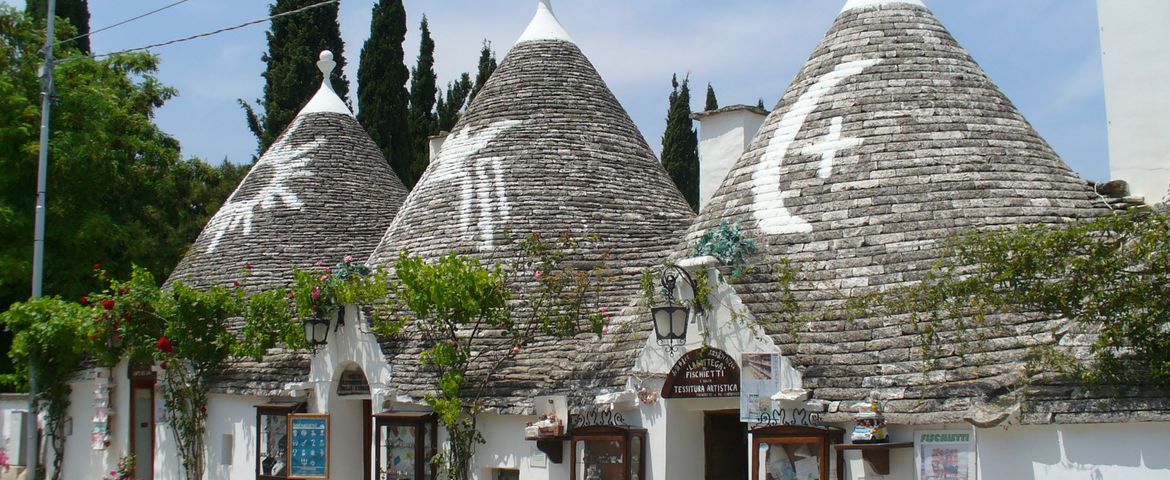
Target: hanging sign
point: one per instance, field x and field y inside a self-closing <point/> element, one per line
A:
<point x="703" y="373"/>
<point x="309" y="446"/>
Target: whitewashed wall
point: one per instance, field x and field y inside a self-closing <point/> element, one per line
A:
<point x="505" y="447"/>
<point x="1135" y="53"/>
<point x="723" y="137"/>
<point x="11" y="405"/>
<point x="231" y="422"/>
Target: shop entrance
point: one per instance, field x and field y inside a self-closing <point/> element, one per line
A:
<point x="725" y="445"/>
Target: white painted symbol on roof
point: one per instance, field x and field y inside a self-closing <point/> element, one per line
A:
<point x="283" y="162"/>
<point x="481" y="181"/>
<point x="768" y="202"/>
<point x="829" y="145"/>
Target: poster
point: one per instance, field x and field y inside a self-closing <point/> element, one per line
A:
<point x="759" y="380"/>
<point x="945" y="454"/>
<point x="309" y="446"/>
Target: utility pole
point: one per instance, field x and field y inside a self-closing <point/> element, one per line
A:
<point x="32" y="436"/>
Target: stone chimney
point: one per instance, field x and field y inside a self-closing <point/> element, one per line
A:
<point x="436" y="144"/>
<point x="724" y="134"/>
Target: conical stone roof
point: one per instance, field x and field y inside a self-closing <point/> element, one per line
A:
<point x="890" y="140"/>
<point x="544" y="148"/>
<point x="322" y="191"/>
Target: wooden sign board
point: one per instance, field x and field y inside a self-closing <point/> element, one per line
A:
<point x="308" y="446"/>
<point x="703" y="373"/>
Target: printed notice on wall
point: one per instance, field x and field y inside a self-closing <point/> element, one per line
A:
<point x="759" y="380"/>
<point x="309" y="446"/>
<point x="945" y="454"/>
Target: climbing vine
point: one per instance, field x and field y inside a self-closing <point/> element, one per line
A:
<point x="1106" y="278"/>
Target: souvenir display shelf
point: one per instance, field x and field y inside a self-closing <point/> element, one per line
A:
<point x="877" y="455"/>
<point x="608" y="453"/>
<point x="404" y="444"/>
<point x="794" y="450"/>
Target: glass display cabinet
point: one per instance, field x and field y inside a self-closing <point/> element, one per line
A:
<point x="792" y="453"/>
<point x="272" y="439"/>
<point x="608" y="453"/>
<point x="405" y="443"/>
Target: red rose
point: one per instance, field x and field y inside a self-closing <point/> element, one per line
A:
<point x="348" y="259"/>
<point x="97" y="266"/>
<point x="247" y="266"/>
<point x="292" y="294"/>
<point x="236" y="284"/>
<point x="162" y="365"/>
<point x="164" y="345"/>
<point x="85" y="301"/>
<point x="203" y="410"/>
<point x="108" y="304"/>
<point x="316" y="295"/>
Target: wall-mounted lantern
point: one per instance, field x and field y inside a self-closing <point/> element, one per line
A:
<point x="317" y="326"/>
<point x="671" y="317"/>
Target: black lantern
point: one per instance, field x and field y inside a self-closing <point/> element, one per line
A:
<point x="671" y="318"/>
<point x="316" y="329"/>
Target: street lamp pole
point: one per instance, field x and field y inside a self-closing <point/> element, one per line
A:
<point x="32" y="434"/>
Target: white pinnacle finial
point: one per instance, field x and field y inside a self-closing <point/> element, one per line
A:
<point x="326" y="64"/>
<point x="852" y="4"/>
<point x="326" y="99"/>
<point x="545" y="25"/>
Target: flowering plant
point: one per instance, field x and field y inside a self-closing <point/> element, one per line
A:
<point x="125" y="470"/>
<point x="323" y="288"/>
<point x="3" y="460"/>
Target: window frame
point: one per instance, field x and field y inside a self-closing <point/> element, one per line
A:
<point x="273" y="410"/>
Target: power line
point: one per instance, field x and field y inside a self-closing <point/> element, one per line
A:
<point x="217" y="32"/>
<point x="123" y="22"/>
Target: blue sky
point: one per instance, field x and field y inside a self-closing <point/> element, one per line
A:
<point x="1045" y="54"/>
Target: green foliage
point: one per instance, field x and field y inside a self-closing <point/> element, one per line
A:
<point x="455" y="302"/>
<point x="680" y="144"/>
<point x="291" y="75"/>
<point x="487" y="66"/>
<point x="119" y="193"/>
<point x="76" y="12"/>
<point x="712" y="102"/>
<point x="728" y="244"/>
<point x="324" y="289"/>
<point x="383" y="101"/>
<point x="450" y="110"/>
<point x="423" y="90"/>
<point x="125" y="470"/>
<point x="1110" y="276"/>
<point x="50" y="337"/>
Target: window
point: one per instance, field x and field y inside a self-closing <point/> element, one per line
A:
<point x="783" y="453"/>
<point x="505" y="474"/>
<point x="405" y="442"/>
<point x="272" y="439"/>
<point x="608" y="453"/>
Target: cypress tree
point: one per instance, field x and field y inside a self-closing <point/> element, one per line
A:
<point x="712" y="102"/>
<point x="487" y="66"/>
<point x="423" y="90"/>
<point x="291" y="76"/>
<point x="450" y="110"/>
<point x="76" y="11"/>
<point x="680" y="143"/>
<point x="383" y="102"/>
<point x="761" y="104"/>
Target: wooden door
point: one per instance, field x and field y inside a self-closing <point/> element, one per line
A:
<point x="725" y="446"/>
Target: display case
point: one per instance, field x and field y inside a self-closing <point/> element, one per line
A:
<point x="789" y="452"/>
<point x="405" y="444"/>
<point x="272" y="456"/>
<point x="608" y="453"/>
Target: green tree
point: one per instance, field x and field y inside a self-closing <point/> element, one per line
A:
<point x="118" y="191"/>
<point x="680" y="143"/>
<point x="449" y="110"/>
<point x="75" y="11"/>
<point x="423" y="91"/>
<point x="291" y="76"/>
<point x="712" y="102"/>
<point x="487" y="66"/>
<point x="383" y="101"/>
<point x="455" y="295"/>
<point x="760" y="104"/>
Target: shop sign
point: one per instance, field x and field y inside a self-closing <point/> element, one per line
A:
<point x="703" y="373"/>
<point x="309" y="446"/>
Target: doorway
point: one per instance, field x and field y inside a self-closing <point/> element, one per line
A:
<point x="725" y="446"/>
<point x="142" y="428"/>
